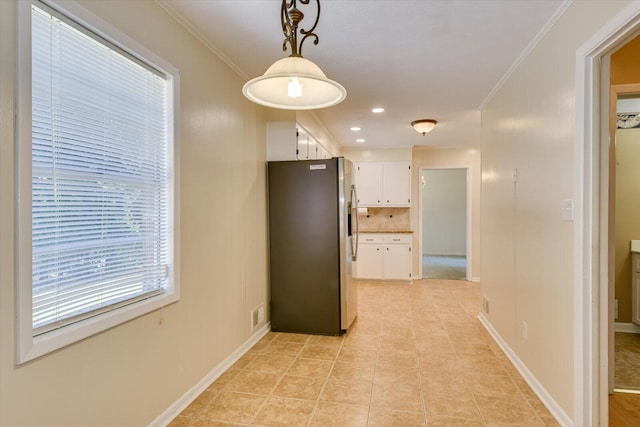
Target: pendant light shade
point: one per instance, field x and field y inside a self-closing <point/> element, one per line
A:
<point x="295" y="83"/>
<point x="424" y="126"/>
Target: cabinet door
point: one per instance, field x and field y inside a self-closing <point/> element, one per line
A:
<point x="369" y="184"/>
<point x="313" y="149"/>
<point x="397" y="262"/>
<point x="396" y="188"/>
<point x="303" y="145"/>
<point x="369" y="262"/>
<point x="322" y="152"/>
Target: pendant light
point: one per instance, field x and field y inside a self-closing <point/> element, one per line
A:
<point x="424" y="126"/>
<point x="295" y="83"/>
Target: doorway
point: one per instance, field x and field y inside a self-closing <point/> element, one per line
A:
<point x="444" y="219"/>
<point x="625" y="233"/>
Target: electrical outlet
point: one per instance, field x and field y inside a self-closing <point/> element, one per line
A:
<point x="615" y="309"/>
<point x="485" y="304"/>
<point x="525" y="331"/>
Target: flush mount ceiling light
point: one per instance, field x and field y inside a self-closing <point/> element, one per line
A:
<point x="424" y="126"/>
<point x="295" y="83"/>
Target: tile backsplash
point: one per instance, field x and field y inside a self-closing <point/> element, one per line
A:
<point x="385" y="219"/>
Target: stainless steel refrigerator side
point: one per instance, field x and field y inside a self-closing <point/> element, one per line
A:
<point x="348" y="291"/>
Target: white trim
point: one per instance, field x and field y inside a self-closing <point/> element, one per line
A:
<point x="627" y="328"/>
<point x="527" y="50"/>
<point x="533" y="382"/>
<point x="590" y="251"/>
<point x="190" y="395"/>
<point x="475" y="280"/>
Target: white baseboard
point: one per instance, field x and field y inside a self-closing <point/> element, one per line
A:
<point x="629" y="328"/>
<point x="185" y="400"/>
<point x="535" y="385"/>
<point x="475" y="280"/>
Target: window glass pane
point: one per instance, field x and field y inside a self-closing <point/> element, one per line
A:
<point x="100" y="175"/>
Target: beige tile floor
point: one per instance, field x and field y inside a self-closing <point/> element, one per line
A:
<point x="416" y="356"/>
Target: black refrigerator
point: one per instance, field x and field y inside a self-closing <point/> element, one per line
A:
<point x="313" y="242"/>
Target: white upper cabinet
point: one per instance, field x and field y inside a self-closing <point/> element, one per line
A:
<point x="369" y="184"/>
<point x="384" y="184"/>
<point x="289" y="141"/>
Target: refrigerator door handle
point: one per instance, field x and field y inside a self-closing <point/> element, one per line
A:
<point x="354" y="206"/>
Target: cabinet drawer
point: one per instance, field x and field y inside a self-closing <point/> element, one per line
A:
<point x="397" y="238"/>
<point x="370" y="239"/>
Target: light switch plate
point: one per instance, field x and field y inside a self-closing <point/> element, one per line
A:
<point x="567" y="210"/>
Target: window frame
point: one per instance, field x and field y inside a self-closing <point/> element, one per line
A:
<point x="29" y="346"/>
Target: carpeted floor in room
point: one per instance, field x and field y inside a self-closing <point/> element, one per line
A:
<point x="444" y="267"/>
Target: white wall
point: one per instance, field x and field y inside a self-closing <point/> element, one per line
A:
<point x="444" y="211"/>
<point x="130" y="374"/>
<point x="527" y="251"/>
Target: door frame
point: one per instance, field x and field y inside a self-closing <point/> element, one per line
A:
<point x="469" y="230"/>
<point x="591" y="232"/>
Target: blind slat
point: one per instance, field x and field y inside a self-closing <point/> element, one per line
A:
<point x="100" y="176"/>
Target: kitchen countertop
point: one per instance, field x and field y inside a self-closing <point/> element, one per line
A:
<point x="386" y="231"/>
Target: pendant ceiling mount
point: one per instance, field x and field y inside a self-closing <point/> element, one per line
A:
<point x="295" y="83"/>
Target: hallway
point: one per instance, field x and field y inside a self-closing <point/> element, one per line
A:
<point x="416" y="356"/>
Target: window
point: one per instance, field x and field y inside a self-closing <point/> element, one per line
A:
<point x="97" y="184"/>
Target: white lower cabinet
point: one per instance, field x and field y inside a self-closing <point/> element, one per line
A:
<point x="384" y="256"/>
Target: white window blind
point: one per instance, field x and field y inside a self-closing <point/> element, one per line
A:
<point x="100" y="175"/>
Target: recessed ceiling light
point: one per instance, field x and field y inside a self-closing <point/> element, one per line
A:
<point x="378" y="110"/>
<point x="355" y="128"/>
<point x="360" y="140"/>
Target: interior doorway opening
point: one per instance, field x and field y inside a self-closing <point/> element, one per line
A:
<point x="444" y="223"/>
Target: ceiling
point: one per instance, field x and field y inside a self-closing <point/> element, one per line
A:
<point x="419" y="59"/>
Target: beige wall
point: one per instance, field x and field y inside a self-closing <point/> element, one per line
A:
<point x="627" y="214"/>
<point x="358" y="155"/>
<point x="444" y="211"/>
<point x="442" y="158"/>
<point x="625" y="66"/>
<point x="130" y="374"/>
<point x="527" y="262"/>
